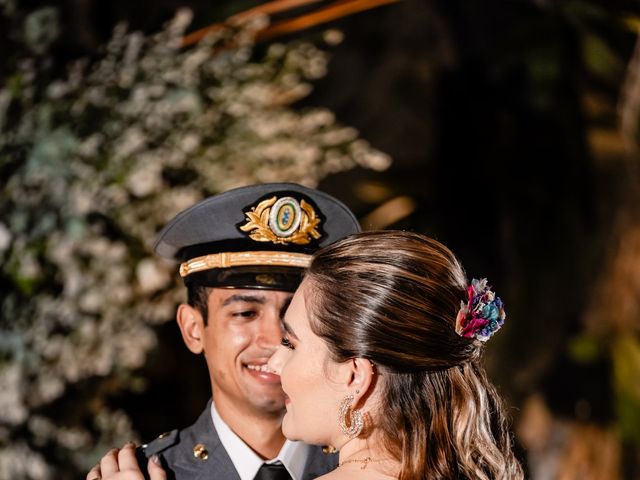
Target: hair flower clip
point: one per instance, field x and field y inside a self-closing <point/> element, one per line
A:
<point x="482" y="315"/>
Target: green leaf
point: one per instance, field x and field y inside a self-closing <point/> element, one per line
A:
<point x="626" y="367"/>
<point x="584" y="349"/>
<point x="599" y="58"/>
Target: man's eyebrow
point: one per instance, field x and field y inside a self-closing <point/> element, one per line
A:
<point x="288" y="329"/>
<point x="244" y="298"/>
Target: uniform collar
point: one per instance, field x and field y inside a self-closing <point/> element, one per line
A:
<point x="293" y="455"/>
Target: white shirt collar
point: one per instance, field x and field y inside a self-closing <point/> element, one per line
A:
<point x="293" y="455"/>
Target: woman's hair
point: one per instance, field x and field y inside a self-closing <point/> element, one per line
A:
<point x="393" y="297"/>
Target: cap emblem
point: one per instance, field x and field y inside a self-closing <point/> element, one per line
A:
<point x="282" y="221"/>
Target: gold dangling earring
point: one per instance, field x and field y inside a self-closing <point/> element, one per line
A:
<point x="356" y="422"/>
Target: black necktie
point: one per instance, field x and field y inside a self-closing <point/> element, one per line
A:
<point x="272" y="471"/>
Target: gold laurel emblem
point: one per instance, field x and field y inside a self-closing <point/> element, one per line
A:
<point x="263" y="226"/>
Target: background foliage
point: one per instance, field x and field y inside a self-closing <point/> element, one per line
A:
<point x="93" y="164"/>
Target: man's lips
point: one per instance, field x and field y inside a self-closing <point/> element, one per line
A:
<point x="261" y="372"/>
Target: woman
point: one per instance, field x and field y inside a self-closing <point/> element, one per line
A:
<point x="381" y="361"/>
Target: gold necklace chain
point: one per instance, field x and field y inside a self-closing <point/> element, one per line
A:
<point x="365" y="461"/>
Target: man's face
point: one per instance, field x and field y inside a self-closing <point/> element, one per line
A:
<point x="243" y="331"/>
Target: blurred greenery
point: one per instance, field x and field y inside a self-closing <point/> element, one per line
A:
<point x="626" y="362"/>
<point x="94" y="162"/>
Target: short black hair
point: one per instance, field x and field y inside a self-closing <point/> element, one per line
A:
<point x="198" y="298"/>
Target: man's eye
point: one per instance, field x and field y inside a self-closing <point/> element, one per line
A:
<point x="285" y="342"/>
<point x="245" y="314"/>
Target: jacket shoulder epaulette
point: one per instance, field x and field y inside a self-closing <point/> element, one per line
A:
<point x="164" y="441"/>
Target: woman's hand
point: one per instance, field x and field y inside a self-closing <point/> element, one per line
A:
<point x="121" y="464"/>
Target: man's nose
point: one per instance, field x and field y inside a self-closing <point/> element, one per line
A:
<point x="270" y="331"/>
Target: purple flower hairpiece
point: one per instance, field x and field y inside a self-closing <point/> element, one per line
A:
<point x="482" y="315"/>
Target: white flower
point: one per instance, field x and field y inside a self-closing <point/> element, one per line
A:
<point x="5" y="237"/>
<point x="13" y="410"/>
<point x="150" y="276"/>
<point x="133" y="140"/>
<point x="190" y="142"/>
<point x="376" y="160"/>
<point x="19" y="461"/>
<point x="47" y="389"/>
<point x="145" y="179"/>
<point x="333" y="36"/>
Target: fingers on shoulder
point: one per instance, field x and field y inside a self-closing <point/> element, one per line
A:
<point x="94" y="473"/>
<point x="127" y="458"/>
<point x="117" y="464"/>
<point x="156" y="472"/>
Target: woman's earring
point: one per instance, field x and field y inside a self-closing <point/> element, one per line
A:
<point x="353" y="427"/>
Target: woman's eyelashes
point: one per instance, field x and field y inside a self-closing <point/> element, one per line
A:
<point x="285" y="342"/>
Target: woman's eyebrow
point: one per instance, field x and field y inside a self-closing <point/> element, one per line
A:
<point x="289" y="330"/>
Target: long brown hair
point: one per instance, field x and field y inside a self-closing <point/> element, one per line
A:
<point x="392" y="297"/>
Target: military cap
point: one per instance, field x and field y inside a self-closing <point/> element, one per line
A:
<point x="258" y="236"/>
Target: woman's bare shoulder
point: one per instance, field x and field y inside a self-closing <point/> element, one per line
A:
<point x="355" y="475"/>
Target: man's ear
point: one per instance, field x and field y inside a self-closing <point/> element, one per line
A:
<point x="191" y="326"/>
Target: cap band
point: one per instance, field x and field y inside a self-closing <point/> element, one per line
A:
<point x="253" y="277"/>
<point x="241" y="259"/>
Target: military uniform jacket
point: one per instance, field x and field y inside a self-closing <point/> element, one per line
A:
<point x="196" y="453"/>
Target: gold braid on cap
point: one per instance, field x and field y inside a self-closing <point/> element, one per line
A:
<point x="243" y="259"/>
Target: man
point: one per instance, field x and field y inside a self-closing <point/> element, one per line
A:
<point x="242" y="256"/>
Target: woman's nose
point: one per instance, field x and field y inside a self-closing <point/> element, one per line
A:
<point x="275" y="361"/>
